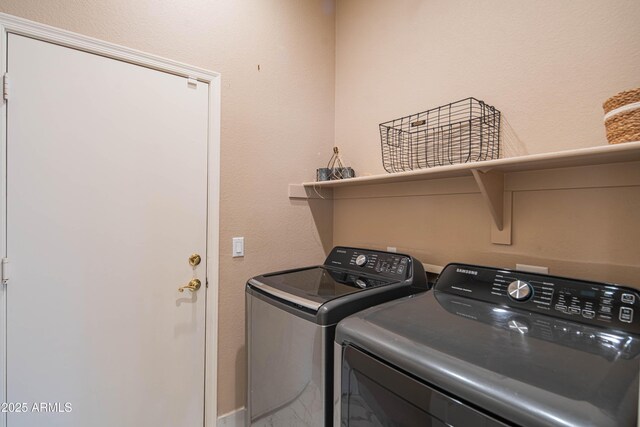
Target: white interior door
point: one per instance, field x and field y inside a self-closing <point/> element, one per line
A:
<point x="106" y="200"/>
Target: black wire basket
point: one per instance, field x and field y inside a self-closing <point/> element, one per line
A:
<point x="464" y="131"/>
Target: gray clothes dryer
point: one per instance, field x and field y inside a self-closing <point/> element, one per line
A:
<point x="492" y="347"/>
<point x="291" y="318"/>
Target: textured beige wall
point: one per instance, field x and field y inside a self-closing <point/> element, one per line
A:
<point x="277" y="123"/>
<point x="580" y="222"/>
<point x="547" y="65"/>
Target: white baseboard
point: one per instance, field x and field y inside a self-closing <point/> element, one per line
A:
<point x="232" y="419"/>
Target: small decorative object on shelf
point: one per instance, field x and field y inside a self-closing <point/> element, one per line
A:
<point x="622" y="117"/>
<point x="464" y="131"/>
<point x="335" y="169"/>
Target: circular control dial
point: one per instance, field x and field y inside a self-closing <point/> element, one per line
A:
<point x="519" y="290"/>
<point x="361" y="260"/>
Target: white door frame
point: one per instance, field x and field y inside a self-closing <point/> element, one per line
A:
<point x="10" y="24"/>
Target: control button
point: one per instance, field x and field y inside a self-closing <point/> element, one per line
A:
<point x="361" y="260"/>
<point x="561" y="307"/>
<point x="589" y="314"/>
<point x="605" y="309"/>
<point x="626" y="314"/>
<point x="519" y="290"/>
<point x="401" y="269"/>
<point x="628" y="298"/>
<point x="574" y="310"/>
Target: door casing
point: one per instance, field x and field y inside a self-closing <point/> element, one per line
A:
<point x="13" y="25"/>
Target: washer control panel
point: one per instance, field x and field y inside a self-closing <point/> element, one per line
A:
<point x="594" y="303"/>
<point x="387" y="264"/>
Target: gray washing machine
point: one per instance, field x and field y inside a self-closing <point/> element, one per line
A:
<point x="492" y="347"/>
<point x="291" y="319"/>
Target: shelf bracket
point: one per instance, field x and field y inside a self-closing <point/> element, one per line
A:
<point x="491" y="185"/>
<point x="299" y="191"/>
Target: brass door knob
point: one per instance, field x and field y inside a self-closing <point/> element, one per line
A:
<point x="193" y="285"/>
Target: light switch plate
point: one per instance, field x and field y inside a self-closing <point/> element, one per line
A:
<point x="238" y="247"/>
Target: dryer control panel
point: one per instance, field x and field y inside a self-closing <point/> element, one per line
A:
<point x="364" y="261"/>
<point x="603" y="304"/>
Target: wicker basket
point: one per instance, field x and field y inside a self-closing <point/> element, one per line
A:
<point x="622" y="117"/>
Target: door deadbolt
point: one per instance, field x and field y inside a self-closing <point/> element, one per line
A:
<point x="194" y="260"/>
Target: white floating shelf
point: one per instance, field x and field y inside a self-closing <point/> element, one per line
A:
<point x="626" y="152"/>
<point x="489" y="176"/>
